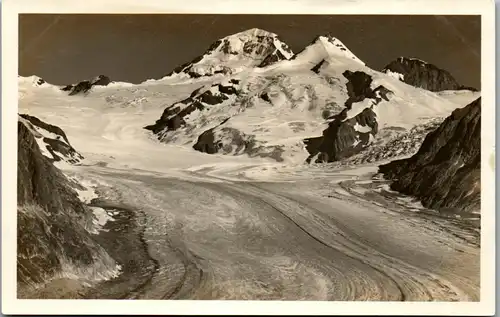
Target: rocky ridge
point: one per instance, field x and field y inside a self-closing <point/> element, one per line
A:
<point x="424" y="75"/>
<point x="52" y="140"/>
<point x="445" y="172"/>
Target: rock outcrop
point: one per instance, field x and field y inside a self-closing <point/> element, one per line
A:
<point x="274" y="57"/>
<point x="51" y="140"/>
<point x="228" y="140"/>
<point x="200" y="99"/>
<point x="353" y="128"/>
<point x="424" y="75"/>
<point x="445" y="172"/>
<point x="86" y="85"/>
<point x="53" y="224"/>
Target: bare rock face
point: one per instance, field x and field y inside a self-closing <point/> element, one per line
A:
<point x="207" y="143"/>
<point x="423" y="75"/>
<point x="228" y="140"/>
<point x="53" y="236"/>
<point x="52" y="140"/>
<point x="445" y="172"/>
<point x="317" y="68"/>
<point x="85" y="86"/>
<point x="349" y="132"/>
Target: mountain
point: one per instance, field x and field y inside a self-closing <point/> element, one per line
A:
<point x="185" y="169"/>
<point x="445" y="172"/>
<point x="321" y="105"/>
<point x="421" y="74"/>
<point x="82" y="87"/>
<point x="251" y="48"/>
<point x="323" y="47"/>
<point x="54" y="226"/>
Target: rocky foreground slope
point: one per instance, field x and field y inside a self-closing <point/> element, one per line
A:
<point x="54" y="239"/>
<point x="445" y="172"/>
<point x="52" y="141"/>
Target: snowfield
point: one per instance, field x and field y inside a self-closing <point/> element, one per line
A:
<point x="234" y="226"/>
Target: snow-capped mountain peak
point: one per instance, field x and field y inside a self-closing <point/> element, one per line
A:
<point x="251" y="48"/>
<point x="325" y="47"/>
<point x="254" y="42"/>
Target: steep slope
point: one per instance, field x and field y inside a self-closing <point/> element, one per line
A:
<point x="233" y="53"/>
<point x="445" y="172"/>
<point x="322" y="105"/>
<point x="323" y="47"/>
<point x="54" y="240"/>
<point x="51" y="140"/>
<point x="424" y="75"/>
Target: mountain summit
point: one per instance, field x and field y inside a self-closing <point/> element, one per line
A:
<point x="418" y="73"/>
<point x="325" y="47"/>
<point x="251" y="48"/>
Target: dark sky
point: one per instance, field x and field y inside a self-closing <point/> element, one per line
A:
<point x="72" y="47"/>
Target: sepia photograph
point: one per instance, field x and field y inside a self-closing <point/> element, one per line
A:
<point x="250" y="157"/>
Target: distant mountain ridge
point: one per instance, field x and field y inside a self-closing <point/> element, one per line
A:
<point x="82" y="87"/>
<point x="256" y="97"/>
<point x="424" y="75"/>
